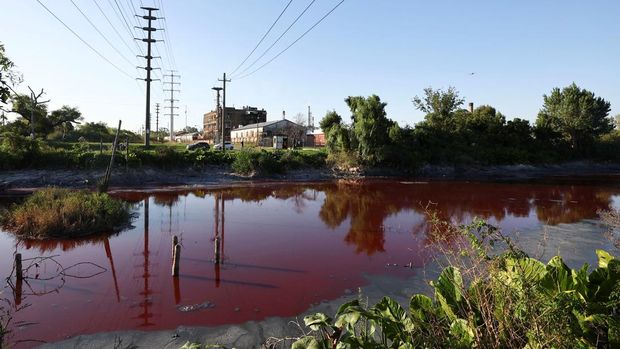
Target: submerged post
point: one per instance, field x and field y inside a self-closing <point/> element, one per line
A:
<point x="175" y="242"/>
<point x="217" y="250"/>
<point x="175" y="261"/>
<point x="18" y="266"/>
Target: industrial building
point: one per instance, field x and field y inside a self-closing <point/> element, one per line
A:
<point x="262" y="133"/>
<point x="235" y="118"/>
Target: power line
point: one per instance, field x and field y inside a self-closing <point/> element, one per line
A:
<point x="100" y="33"/>
<point x="278" y="39"/>
<point x="294" y="42"/>
<point x="167" y="41"/>
<point x="121" y="15"/>
<point x="263" y="38"/>
<point x="113" y="27"/>
<point x="83" y="41"/>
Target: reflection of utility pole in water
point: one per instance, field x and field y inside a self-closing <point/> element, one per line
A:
<point x="108" y="252"/>
<point x="146" y="293"/>
<point x="219" y="239"/>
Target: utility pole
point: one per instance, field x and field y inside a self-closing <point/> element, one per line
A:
<point x="172" y="90"/>
<point x="149" y="40"/>
<point x="224" y="81"/>
<point x="186" y="117"/>
<point x="218" y="114"/>
<point x="157" y="120"/>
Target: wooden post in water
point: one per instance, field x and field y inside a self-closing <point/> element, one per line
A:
<point x="175" y="242"/>
<point x="217" y="250"/>
<point x="18" y="267"/>
<point x="100" y="146"/>
<point x="106" y="179"/>
<point x="176" y="260"/>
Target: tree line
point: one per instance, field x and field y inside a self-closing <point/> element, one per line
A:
<point x="573" y="124"/>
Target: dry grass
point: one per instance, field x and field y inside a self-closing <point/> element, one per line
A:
<point x="62" y="213"/>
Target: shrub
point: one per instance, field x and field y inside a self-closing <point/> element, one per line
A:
<point x="505" y="300"/>
<point x="252" y="162"/>
<point x="62" y="213"/>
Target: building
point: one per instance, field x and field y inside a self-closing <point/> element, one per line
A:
<point x="235" y="118"/>
<point x="315" y="138"/>
<point x="186" y="137"/>
<point x="262" y="133"/>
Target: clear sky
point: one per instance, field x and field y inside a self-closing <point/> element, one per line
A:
<point x="517" y="50"/>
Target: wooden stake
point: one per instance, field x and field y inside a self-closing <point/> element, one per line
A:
<point x="106" y="179"/>
<point x="175" y="242"/>
<point x="18" y="267"/>
<point x="175" y="261"/>
<point x="217" y="250"/>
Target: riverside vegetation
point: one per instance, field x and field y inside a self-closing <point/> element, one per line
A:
<point x="572" y="124"/>
<point x="63" y="213"/>
<point x="486" y="300"/>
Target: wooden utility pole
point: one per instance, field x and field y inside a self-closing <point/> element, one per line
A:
<point x="106" y="179"/>
<point x="224" y="81"/>
<point x="218" y="114"/>
<point x="149" y="40"/>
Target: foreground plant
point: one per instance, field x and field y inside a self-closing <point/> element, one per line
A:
<point x="507" y="300"/>
<point x="62" y="213"/>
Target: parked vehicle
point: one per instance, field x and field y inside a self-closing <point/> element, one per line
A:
<point x="198" y="145"/>
<point x="227" y="145"/>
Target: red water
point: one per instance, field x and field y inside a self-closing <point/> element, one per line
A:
<point x="285" y="247"/>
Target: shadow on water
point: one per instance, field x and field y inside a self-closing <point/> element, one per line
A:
<point x="280" y="247"/>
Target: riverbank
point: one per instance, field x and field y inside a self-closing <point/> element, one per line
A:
<point x="144" y="178"/>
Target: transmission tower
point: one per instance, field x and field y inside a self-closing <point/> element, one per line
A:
<point x="171" y="84"/>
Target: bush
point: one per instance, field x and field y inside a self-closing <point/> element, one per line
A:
<point x="62" y="213"/>
<point x="506" y="300"/>
<point x="252" y="162"/>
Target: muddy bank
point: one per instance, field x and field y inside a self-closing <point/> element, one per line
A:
<point x="153" y="177"/>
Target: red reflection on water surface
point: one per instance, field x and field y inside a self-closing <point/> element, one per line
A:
<point x="284" y="248"/>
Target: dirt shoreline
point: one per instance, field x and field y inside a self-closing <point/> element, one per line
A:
<point x="14" y="182"/>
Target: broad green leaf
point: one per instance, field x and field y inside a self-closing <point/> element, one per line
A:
<point x="343" y="308"/>
<point x="307" y="343"/>
<point x="462" y="333"/>
<point x="558" y="278"/>
<point x="316" y="321"/>
<point x="420" y="306"/>
<point x="603" y="258"/>
<point x="449" y="291"/>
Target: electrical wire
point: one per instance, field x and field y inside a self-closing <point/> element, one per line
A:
<point x="121" y="15"/>
<point x="83" y="41"/>
<point x="293" y="43"/>
<point x="100" y="33"/>
<point x="263" y="38"/>
<point x="278" y="39"/>
<point x="167" y="43"/>
<point x="114" y="27"/>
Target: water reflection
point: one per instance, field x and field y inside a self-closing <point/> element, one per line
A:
<point x="269" y="250"/>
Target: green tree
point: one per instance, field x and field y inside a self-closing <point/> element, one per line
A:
<point x="94" y="132"/>
<point x="65" y="118"/>
<point x="329" y="120"/>
<point x="439" y="106"/>
<point x="370" y="127"/>
<point x="8" y="77"/>
<point x="576" y="114"/>
<point x="27" y="109"/>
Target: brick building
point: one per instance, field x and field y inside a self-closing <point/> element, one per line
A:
<point x="235" y="118"/>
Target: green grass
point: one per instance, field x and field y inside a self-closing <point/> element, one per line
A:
<point x="63" y="213"/>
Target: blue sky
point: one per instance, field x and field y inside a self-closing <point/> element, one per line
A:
<point x="518" y="50"/>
